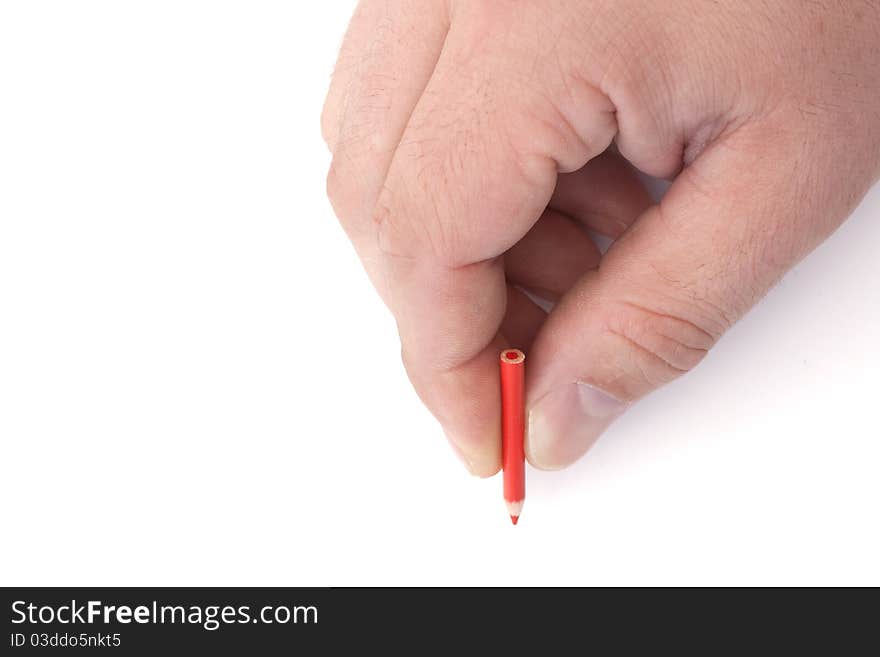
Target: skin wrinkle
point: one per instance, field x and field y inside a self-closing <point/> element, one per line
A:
<point x="708" y="339"/>
<point x="548" y="36"/>
<point x="643" y="136"/>
<point x="695" y="300"/>
<point x="714" y="323"/>
<point x="639" y="347"/>
<point x="560" y="125"/>
<point x="642" y="329"/>
<point x="662" y="372"/>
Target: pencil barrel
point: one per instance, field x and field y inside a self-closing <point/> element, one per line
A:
<point x="513" y="423"/>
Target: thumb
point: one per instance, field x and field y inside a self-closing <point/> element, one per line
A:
<point x="731" y="224"/>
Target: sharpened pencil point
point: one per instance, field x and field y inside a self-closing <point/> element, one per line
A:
<point x="512" y="364"/>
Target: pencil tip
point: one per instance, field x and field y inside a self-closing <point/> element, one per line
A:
<point x="514" y="509"/>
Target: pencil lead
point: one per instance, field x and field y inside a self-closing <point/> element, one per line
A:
<point x="514" y="519"/>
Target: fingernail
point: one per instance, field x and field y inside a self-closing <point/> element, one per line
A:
<point x="460" y="454"/>
<point x="565" y="422"/>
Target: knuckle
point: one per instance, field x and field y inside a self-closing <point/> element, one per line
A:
<point x="661" y="346"/>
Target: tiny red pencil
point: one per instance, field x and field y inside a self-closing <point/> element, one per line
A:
<point x="513" y="430"/>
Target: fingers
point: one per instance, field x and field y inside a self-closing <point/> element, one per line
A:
<point x="386" y="61"/>
<point x="472" y="174"/>
<point x="728" y="228"/>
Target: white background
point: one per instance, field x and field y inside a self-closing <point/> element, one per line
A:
<point x="199" y="386"/>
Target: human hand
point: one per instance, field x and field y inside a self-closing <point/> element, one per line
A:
<point x="470" y="146"/>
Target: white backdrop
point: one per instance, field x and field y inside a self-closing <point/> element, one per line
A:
<point x="199" y="386"/>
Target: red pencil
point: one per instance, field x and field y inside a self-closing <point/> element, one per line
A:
<point x="513" y="430"/>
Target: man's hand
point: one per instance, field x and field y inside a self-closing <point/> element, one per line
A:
<point x="472" y="144"/>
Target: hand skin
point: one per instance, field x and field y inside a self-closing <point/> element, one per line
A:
<point x="473" y="140"/>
